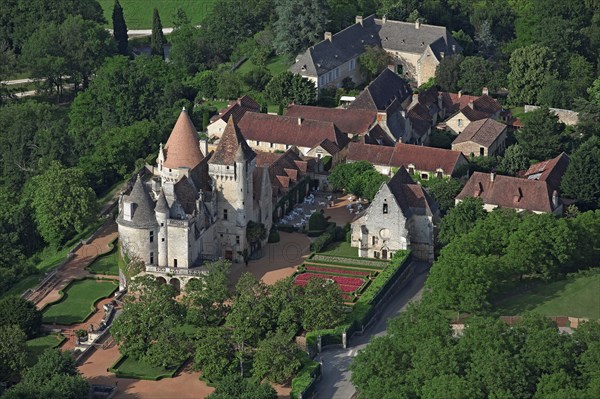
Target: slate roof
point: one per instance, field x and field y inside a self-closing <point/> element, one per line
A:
<point x="420" y="118"/>
<point x="349" y="43"/>
<point x="143" y="208"/>
<point x="483" y="132"/>
<point x="237" y="109"/>
<point x="290" y="130"/>
<point x="183" y="147"/>
<point x="378" y="136"/>
<point x="161" y="204"/>
<point x="284" y="169"/>
<point x="423" y="158"/>
<point x="351" y="122"/>
<point x="509" y="192"/>
<point x="550" y="171"/>
<point x="410" y="196"/>
<point x="232" y="147"/>
<point x="381" y="93"/>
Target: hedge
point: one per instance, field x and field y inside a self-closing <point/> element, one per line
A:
<point x="305" y="379"/>
<point x="288" y="228"/>
<point x="137" y="372"/>
<point x="274" y="236"/>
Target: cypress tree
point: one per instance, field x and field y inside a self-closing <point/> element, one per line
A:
<point x="119" y="28"/>
<point x="157" y="41"/>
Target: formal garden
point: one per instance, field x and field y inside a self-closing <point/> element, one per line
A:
<point x="78" y="300"/>
<point x="108" y="263"/>
<point x="37" y="346"/>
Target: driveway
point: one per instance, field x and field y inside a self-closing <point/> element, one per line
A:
<point x="335" y="380"/>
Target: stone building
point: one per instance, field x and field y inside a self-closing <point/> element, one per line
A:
<point x="483" y="138"/>
<point x="235" y="110"/>
<point x="192" y="206"/>
<point x="463" y="109"/>
<point x="416" y="50"/>
<point x="401" y="216"/>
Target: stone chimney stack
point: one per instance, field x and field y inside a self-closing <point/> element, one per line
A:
<point x="442" y="54"/>
<point x="417" y="24"/>
<point x="471" y="105"/>
<point x="299" y="121"/>
<point x="492" y="176"/>
<point x="485" y="91"/>
<point x="459" y="93"/>
<point x="328" y="36"/>
<point x="384" y="19"/>
<point x="359" y="19"/>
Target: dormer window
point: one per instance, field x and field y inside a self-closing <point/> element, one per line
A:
<point x="385" y="208"/>
<point x="128" y="211"/>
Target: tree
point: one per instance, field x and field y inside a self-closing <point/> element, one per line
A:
<point x="22" y="313"/>
<point x="341" y="175"/>
<point x="235" y="386"/>
<point x="119" y="28"/>
<point x="594" y="92"/>
<point x="157" y="40"/>
<point x="367" y="184"/>
<point x="461" y="219"/>
<point x="258" y="79"/>
<point x="514" y="160"/>
<point x="205" y="297"/>
<point x="531" y="68"/>
<point x="149" y="320"/>
<point x="206" y="84"/>
<point x="228" y="86"/>
<point x="285" y="302"/>
<point x="475" y="74"/>
<point x="215" y="353"/>
<point x="13" y="352"/>
<point x="322" y="304"/>
<point x="54" y="375"/>
<point x="287" y="88"/>
<point x="63" y="203"/>
<point x="582" y="178"/>
<point x="299" y="25"/>
<point x="444" y="191"/>
<point x="277" y="359"/>
<point x="447" y="73"/>
<point x="372" y="61"/>
<point x="541" y="137"/>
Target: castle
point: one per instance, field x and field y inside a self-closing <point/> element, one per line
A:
<point x="192" y="207"/>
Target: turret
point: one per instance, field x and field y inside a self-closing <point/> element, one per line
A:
<point x="162" y="215"/>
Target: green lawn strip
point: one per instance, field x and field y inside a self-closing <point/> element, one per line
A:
<point x="309" y="372"/>
<point x="138" y="13"/>
<point x="276" y="65"/>
<point x="36" y="346"/>
<point x="77" y="301"/>
<point x="108" y="263"/>
<point x="340" y="248"/>
<point x="330" y="261"/>
<point x="128" y="367"/>
<point x="23" y="285"/>
<point x="341" y="266"/>
<point x="332" y="272"/>
<point x="575" y="297"/>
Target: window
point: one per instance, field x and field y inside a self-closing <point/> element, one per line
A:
<point x="174" y="262"/>
<point x="162" y="239"/>
<point x="385" y="208"/>
<point x="151" y="237"/>
<point x="257" y="142"/>
<point x="425" y="176"/>
<point x="237" y="240"/>
<point x="271" y="145"/>
<point x="221" y="235"/>
<point x="162" y="225"/>
<point x="224" y="214"/>
<point x="481" y="151"/>
<point x="151" y="258"/>
<point x="411" y="170"/>
<point x="438" y="174"/>
<point x="460" y="123"/>
<point x="373" y="240"/>
<point x="376" y="255"/>
<point x="227" y="167"/>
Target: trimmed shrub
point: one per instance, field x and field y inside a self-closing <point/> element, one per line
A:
<point x="273" y="235"/>
<point x="321" y="242"/>
<point x="317" y="221"/>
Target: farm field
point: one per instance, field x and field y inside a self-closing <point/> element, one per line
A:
<point x="138" y="13"/>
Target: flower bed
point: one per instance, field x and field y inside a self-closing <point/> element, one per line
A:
<point x="347" y="285"/>
<point x="379" y="264"/>
<point x="336" y="270"/>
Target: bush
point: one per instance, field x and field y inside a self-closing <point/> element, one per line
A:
<point x="310" y="371"/>
<point x="321" y="242"/>
<point x="288" y="228"/>
<point x="274" y="235"/>
<point x="317" y="221"/>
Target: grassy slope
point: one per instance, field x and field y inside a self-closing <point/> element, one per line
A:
<point x="342" y="248"/>
<point x="131" y="368"/>
<point x="36" y="346"/>
<point x="107" y="263"/>
<point x="578" y="297"/>
<point x="77" y="301"/>
<point x="138" y="13"/>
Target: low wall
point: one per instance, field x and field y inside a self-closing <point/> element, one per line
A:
<point x="566" y="116"/>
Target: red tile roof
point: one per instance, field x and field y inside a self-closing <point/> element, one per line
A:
<point x="237" y="109"/>
<point x="410" y="196"/>
<point x="350" y="122"/>
<point x="284" y="169"/>
<point x="550" y="171"/>
<point x="483" y="132"/>
<point x="290" y="130"/>
<point x="232" y="147"/>
<point x="423" y="158"/>
<point x="473" y="107"/>
<point x="509" y="192"/>
<point x="183" y="147"/>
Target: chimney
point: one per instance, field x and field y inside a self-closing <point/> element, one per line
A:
<point x="328" y="36"/>
<point x="492" y="176"/>
<point x="415" y="98"/>
<point x="205" y="147"/>
<point x="359" y="19"/>
<point x="299" y="121"/>
<point x="459" y="93"/>
<point x="442" y="54"/>
<point x="471" y="105"/>
<point x="555" y="199"/>
<point x="485" y="91"/>
<point x="384" y="19"/>
<point x="417" y="24"/>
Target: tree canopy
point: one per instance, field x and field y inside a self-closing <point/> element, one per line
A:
<point x="299" y="25"/>
<point x="582" y="178"/>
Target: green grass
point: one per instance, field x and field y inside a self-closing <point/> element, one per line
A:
<point x="276" y="65"/>
<point x="577" y="297"/>
<point x="107" y="263"/>
<point x="341" y="248"/>
<point x="517" y="111"/>
<point x="310" y="370"/>
<point x="138" y="13"/>
<point x="128" y="367"/>
<point x="78" y="300"/>
<point x="36" y="346"/>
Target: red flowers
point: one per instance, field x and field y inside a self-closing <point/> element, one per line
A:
<point x="346" y="284"/>
<point x="337" y="271"/>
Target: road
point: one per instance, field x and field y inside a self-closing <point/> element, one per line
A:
<point x="335" y="380"/>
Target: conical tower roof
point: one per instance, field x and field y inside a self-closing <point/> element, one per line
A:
<point x="143" y="211"/>
<point x="232" y="147"/>
<point x="183" y="147"/>
<point x="161" y="204"/>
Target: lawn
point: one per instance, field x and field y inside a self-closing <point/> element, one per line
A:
<point x="107" y="263"/>
<point x="341" y="248"/>
<point x="276" y="66"/>
<point x="128" y="367"/>
<point x="138" y="13"/>
<point x="578" y="297"/>
<point x="36" y="346"/>
<point x="78" y="301"/>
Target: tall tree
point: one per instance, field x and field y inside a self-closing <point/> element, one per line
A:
<point x="531" y="68"/>
<point x="299" y="25"/>
<point x="63" y="203"/>
<point x="514" y="160"/>
<point x="277" y="359"/>
<point x="461" y="219"/>
<point x="447" y="73"/>
<point x="373" y="61"/>
<point x="13" y="352"/>
<point x="322" y="304"/>
<point x="215" y="353"/>
<point x="157" y="40"/>
<point x="287" y="88"/>
<point x="477" y="73"/>
<point x="582" y="178"/>
<point x="119" y="28"/>
<point x="22" y="313"/>
<point x="542" y="136"/>
<point x="235" y="386"/>
<point x="205" y="297"/>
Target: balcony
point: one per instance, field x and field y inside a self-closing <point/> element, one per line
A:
<point x="177" y="271"/>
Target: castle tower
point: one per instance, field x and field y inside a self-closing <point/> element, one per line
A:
<point x="162" y="215"/>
